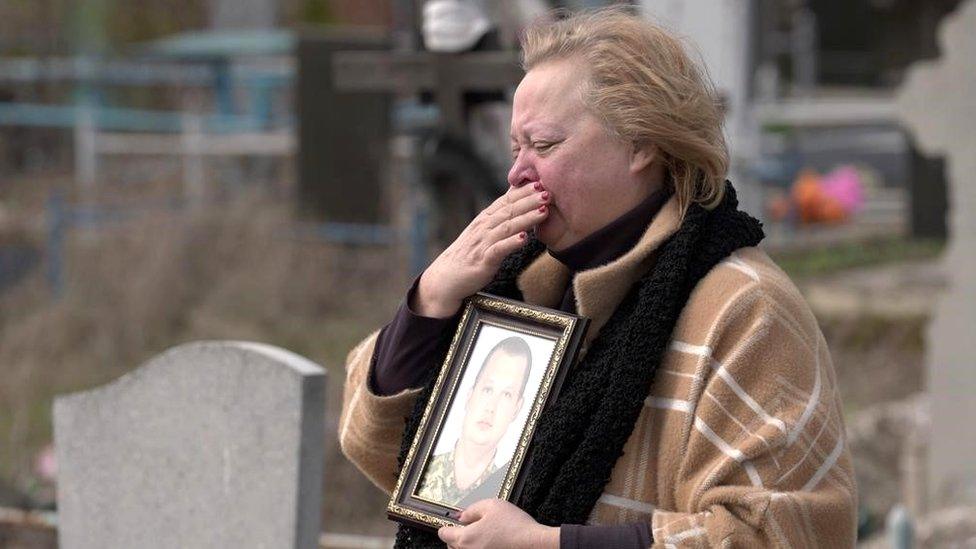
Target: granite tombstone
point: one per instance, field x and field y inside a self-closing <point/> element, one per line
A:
<point x="210" y="444"/>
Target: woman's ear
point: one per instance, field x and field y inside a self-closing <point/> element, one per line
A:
<point x="642" y="155"/>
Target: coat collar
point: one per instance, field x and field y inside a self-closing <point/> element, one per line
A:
<point x="599" y="290"/>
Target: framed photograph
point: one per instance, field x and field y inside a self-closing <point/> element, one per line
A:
<point x="505" y="365"/>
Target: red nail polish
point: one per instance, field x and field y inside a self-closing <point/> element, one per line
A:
<point x="542" y="208"/>
<point x="537" y="186"/>
<point x="522" y="235"/>
<point x="545" y="195"/>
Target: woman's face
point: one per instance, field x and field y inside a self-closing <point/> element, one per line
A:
<point x="592" y="177"/>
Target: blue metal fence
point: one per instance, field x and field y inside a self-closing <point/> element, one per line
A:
<point x="124" y="119"/>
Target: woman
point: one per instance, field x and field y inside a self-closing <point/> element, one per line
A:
<point x="702" y="410"/>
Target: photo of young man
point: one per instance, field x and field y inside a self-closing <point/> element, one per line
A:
<point x="468" y="472"/>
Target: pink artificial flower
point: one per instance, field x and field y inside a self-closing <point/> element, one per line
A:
<point x="46" y="464"/>
<point x="844" y="185"/>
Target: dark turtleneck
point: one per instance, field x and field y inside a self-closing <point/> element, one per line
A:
<point x="608" y="243"/>
<point x="614" y="239"/>
<point x="405" y="347"/>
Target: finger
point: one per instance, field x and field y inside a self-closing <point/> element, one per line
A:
<point x="501" y="212"/>
<point x="449" y="534"/>
<point x="522" y="223"/>
<point x="501" y="249"/>
<point x="476" y="511"/>
<point x="521" y="194"/>
<point x="522" y="206"/>
<point x="516" y="193"/>
<point x="513" y="195"/>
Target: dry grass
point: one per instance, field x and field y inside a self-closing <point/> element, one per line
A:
<point x="877" y="359"/>
<point x="137" y="288"/>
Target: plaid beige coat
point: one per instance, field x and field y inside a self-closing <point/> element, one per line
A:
<point x="741" y="439"/>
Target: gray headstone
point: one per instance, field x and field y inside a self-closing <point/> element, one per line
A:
<point x="211" y="444"/>
<point x="938" y="104"/>
<point x="343" y="137"/>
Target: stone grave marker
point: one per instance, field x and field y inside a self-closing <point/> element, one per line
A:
<point x="343" y="136"/>
<point x="938" y="104"/>
<point x="210" y="444"/>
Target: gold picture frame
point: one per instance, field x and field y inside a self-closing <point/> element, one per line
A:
<point x="482" y="409"/>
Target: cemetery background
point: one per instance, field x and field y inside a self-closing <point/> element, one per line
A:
<point x="239" y="254"/>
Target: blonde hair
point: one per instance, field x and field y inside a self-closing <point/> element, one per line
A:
<point x="646" y="90"/>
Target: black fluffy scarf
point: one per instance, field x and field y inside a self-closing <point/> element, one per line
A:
<point x="579" y="439"/>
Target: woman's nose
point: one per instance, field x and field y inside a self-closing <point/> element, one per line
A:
<point x="521" y="172"/>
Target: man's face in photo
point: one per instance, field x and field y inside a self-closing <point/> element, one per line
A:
<point x="495" y="398"/>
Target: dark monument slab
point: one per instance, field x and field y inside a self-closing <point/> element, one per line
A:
<point x="343" y="135"/>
